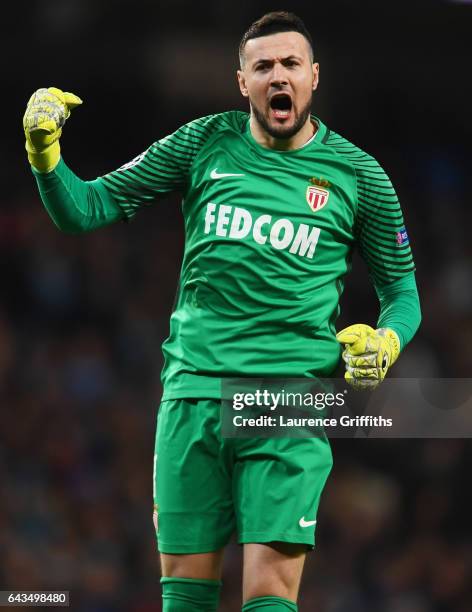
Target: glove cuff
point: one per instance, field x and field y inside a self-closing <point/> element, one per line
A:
<point x="393" y="340"/>
<point x="46" y="160"/>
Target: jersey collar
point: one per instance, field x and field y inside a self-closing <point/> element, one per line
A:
<point x="316" y="138"/>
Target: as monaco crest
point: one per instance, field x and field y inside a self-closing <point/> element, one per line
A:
<point x="317" y="197"/>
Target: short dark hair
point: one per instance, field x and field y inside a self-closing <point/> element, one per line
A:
<point x="273" y="23"/>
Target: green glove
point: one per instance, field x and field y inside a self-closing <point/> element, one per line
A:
<point x="46" y="113"/>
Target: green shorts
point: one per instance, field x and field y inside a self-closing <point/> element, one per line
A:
<point x="206" y="487"/>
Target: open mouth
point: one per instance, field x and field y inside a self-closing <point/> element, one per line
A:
<point x="281" y="105"/>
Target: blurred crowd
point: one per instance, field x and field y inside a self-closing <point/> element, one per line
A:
<point x="82" y="319"/>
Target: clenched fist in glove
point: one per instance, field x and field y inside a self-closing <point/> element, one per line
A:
<point x="46" y="113"/>
<point x="368" y="354"/>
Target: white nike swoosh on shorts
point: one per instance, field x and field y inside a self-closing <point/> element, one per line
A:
<point x="304" y="523"/>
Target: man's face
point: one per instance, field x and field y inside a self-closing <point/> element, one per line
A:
<point x="279" y="78"/>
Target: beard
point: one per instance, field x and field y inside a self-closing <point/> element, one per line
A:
<point x="281" y="131"/>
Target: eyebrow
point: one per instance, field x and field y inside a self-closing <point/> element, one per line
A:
<point x="264" y="60"/>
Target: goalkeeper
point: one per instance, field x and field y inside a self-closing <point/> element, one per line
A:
<point x="274" y="203"/>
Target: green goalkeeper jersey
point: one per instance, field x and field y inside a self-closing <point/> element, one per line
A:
<point x="268" y="240"/>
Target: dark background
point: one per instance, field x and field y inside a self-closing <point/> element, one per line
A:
<point x="82" y="317"/>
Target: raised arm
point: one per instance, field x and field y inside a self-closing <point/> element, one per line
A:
<point x="76" y="205"/>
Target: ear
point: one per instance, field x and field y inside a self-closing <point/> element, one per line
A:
<point x="316" y="75"/>
<point x="242" y="83"/>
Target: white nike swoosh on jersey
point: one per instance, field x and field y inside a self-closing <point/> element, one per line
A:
<point x="304" y="523"/>
<point x="214" y="174"/>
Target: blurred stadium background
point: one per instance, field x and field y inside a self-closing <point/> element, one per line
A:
<point x="82" y="318"/>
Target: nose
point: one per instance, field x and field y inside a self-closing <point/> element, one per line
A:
<point x="278" y="76"/>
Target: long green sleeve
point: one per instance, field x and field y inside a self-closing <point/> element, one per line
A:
<point x="75" y="205"/>
<point x="400" y="307"/>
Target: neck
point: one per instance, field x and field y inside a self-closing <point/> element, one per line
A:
<point x="282" y="144"/>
